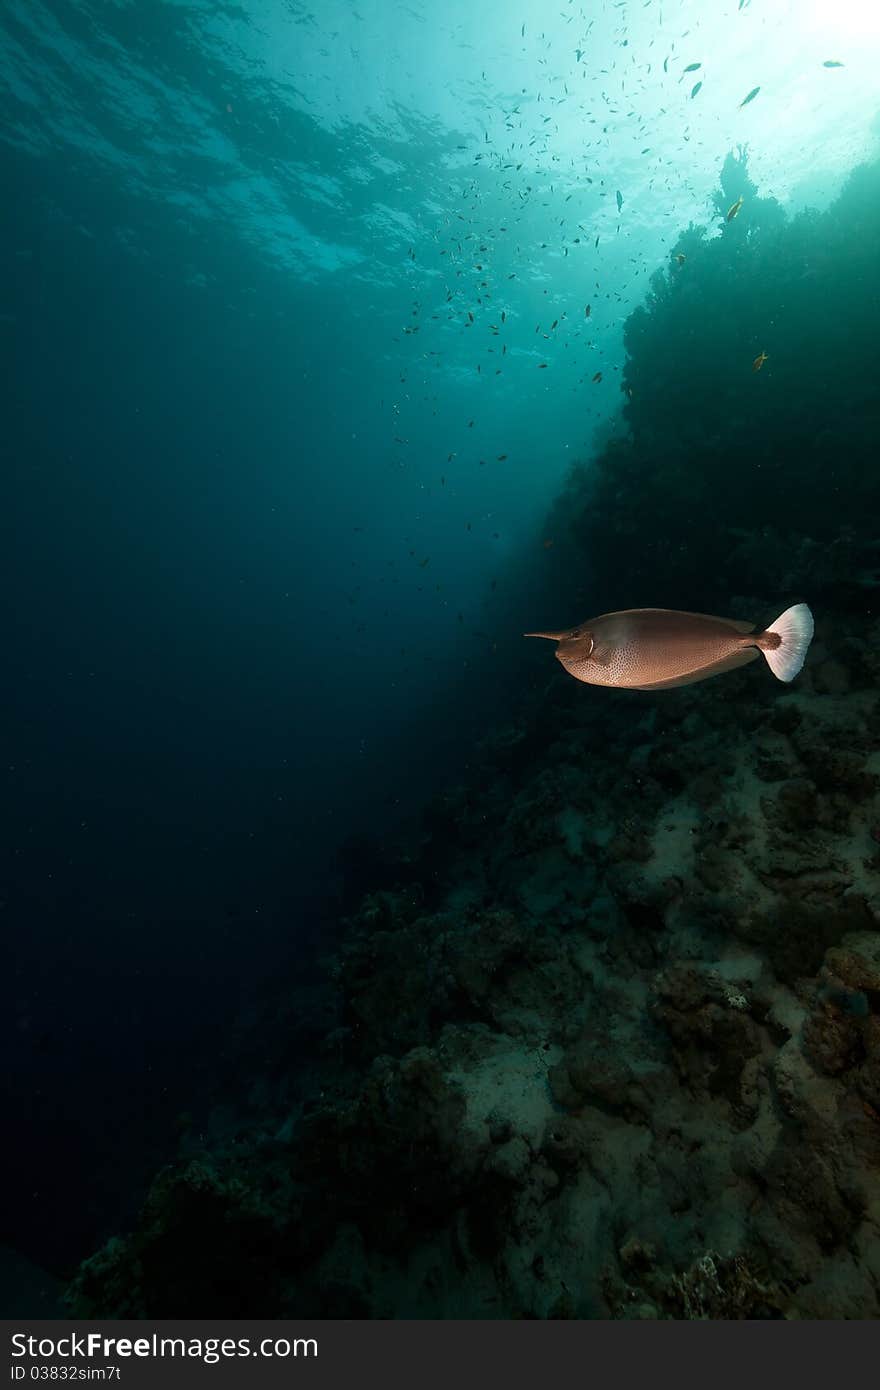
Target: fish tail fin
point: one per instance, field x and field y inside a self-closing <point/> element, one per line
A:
<point x="785" y="642"/>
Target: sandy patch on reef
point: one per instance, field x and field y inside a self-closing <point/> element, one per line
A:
<point x="508" y="1083"/>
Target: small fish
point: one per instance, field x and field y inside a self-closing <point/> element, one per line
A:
<point x="680" y="258"/>
<point x="692" y="67"/>
<point x="588" y="311"/>
<point x="751" y="97"/>
<point x="597" y="377"/>
<point x="500" y="458"/>
<point x="759" y="361"/>
<point x="830" y="63"/>
<point x="696" y="87"/>
<point x="659" y="648"/>
<point x="734" y="208"/>
<point x="541" y="366"/>
<point x="619" y="200"/>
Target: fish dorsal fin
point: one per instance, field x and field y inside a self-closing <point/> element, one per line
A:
<point x="733" y="623"/>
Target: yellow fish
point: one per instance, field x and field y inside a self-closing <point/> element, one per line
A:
<point x="734" y="208"/>
<point x="759" y="361"/>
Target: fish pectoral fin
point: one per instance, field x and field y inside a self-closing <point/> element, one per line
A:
<point x="602" y="653"/>
<point x="716" y="668"/>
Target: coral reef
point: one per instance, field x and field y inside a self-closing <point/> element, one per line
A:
<point x="624" y="1062"/>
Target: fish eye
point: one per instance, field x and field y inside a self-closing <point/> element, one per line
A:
<point x="575" y="632"/>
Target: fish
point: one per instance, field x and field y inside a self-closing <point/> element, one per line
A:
<point x="734" y="208"/>
<point x="587" y="311"/>
<point x="597" y="377"/>
<point x="831" y="63"/>
<point x="619" y="200"/>
<point x="660" y="648"/>
<point x="751" y="97"/>
<point x="692" y="67"/>
<point x="696" y="87"/>
<point x="759" y="361"/>
<point x="681" y="258"/>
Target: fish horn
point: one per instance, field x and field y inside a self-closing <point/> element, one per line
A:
<point x="554" y="636"/>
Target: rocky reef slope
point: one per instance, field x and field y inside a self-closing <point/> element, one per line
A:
<point x="615" y="1053"/>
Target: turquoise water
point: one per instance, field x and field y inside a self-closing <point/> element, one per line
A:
<point x="343" y="344"/>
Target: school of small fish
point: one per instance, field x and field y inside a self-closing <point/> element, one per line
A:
<point x="479" y="261"/>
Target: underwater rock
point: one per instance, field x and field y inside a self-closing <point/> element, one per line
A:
<point x="214" y="1235"/>
<point x="867" y="1076"/>
<point x="807" y="1195"/>
<point x="832" y="1040"/>
<point x="797" y="804"/>
<point x="856" y="964"/>
<point x="723" y="1288"/>
<point x="644" y="901"/>
<point x="511" y="1161"/>
<point x="711" y="1032"/>
<point x="795" y="933"/>
<point x="597" y="1072"/>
